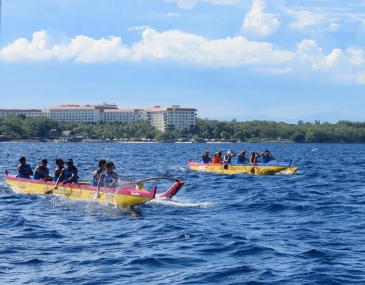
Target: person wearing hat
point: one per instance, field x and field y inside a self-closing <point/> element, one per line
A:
<point x="68" y="174"/>
<point x="41" y="172"/>
<point x="206" y="158"/>
<point x="228" y="157"/>
<point x="24" y="169"/>
<point x="266" y="156"/>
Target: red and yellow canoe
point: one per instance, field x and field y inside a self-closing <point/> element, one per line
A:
<point x="127" y="195"/>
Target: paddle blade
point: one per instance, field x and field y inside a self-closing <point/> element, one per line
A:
<point x="48" y="192"/>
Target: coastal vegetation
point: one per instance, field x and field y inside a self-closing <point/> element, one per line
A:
<point x="22" y="128"/>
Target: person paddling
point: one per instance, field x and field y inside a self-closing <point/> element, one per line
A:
<point x="205" y="158"/>
<point x="253" y="158"/>
<point x="216" y="158"/>
<point x="42" y="172"/>
<point x="241" y="157"/>
<point x="266" y="156"/>
<point x="68" y="174"/>
<point x="24" y="169"/>
<point x="228" y="157"/>
<point x="57" y="172"/>
<point x="108" y="179"/>
<point x="98" y="172"/>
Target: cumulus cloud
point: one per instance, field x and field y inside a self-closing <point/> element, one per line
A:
<point x="258" y="22"/>
<point x="173" y="44"/>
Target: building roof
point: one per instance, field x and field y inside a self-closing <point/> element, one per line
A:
<point x="123" y="110"/>
<point x="159" y="109"/>
<point x="21" y="111"/>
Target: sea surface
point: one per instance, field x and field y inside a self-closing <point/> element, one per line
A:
<point x="307" y="228"/>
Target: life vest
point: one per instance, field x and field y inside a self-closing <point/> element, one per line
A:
<point x="253" y="159"/>
<point x="38" y="176"/>
<point x="68" y="173"/>
<point x="23" y="175"/>
<point x="216" y="160"/>
<point x="228" y="159"/>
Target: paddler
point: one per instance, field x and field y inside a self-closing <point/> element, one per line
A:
<point x="108" y="179"/>
<point x="57" y="172"/>
<point x="24" y="169"/>
<point x="253" y="158"/>
<point x="228" y="157"/>
<point x="266" y="156"/>
<point x="68" y="174"/>
<point x="206" y="158"/>
<point x="42" y="172"/>
<point x="216" y="158"/>
<point x="98" y="172"/>
<point x="241" y="157"/>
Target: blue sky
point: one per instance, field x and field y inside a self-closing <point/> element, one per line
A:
<point x="245" y="59"/>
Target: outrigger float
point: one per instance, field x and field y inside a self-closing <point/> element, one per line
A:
<point x="129" y="194"/>
<point x="258" y="168"/>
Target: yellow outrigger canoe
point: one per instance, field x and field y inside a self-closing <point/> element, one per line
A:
<point x="127" y="195"/>
<point x="258" y="168"/>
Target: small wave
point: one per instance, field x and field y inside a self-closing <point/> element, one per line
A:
<point x="178" y="204"/>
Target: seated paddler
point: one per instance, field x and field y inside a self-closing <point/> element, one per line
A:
<point x="254" y="157"/>
<point x="266" y="156"/>
<point x="216" y="158"/>
<point x="57" y="172"/>
<point x="24" y="169"/>
<point x="241" y="157"/>
<point x="206" y="158"/>
<point x="98" y="172"/>
<point x="228" y="157"/>
<point x="69" y="174"/>
<point x="41" y="172"/>
<point x="108" y="178"/>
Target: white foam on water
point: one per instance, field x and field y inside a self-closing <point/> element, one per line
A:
<point x="180" y="204"/>
<point x="315" y="149"/>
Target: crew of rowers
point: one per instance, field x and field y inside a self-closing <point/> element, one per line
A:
<point x="104" y="176"/>
<point x="241" y="157"/>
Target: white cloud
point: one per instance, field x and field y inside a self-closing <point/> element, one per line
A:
<point x="308" y="57"/>
<point x="173" y="44"/>
<point x="305" y="19"/>
<point x="256" y="21"/>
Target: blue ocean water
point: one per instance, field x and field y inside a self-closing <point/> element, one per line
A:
<point x="307" y="228"/>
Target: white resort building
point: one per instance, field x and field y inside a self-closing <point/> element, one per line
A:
<point x="171" y="118"/>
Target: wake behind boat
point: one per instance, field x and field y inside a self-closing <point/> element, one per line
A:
<point x="129" y="194"/>
<point x="270" y="168"/>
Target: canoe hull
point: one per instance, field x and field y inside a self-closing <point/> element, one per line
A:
<point x="120" y="197"/>
<point x="258" y="169"/>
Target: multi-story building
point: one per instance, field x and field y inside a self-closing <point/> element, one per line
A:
<point x="121" y="115"/>
<point x="164" y="119"/>
<point x="172" y="118"/>
<point x="28" y="113"/>
<point x="77" y="113"/>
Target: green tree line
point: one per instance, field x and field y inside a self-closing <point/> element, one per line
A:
<point x="20" y="127"/>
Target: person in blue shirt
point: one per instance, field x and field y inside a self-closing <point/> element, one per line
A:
<point x="24" y="169"/>
<point x="98" y="172"/>
<point x="69" y="174"/>
<point x="228" y="157"/>
<point x="206" y="158"/>
<point x="42" y="172"/>
<point x="266" y="156"/>
<point x="241" y="157"/>
<point x="57" y="172"/>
